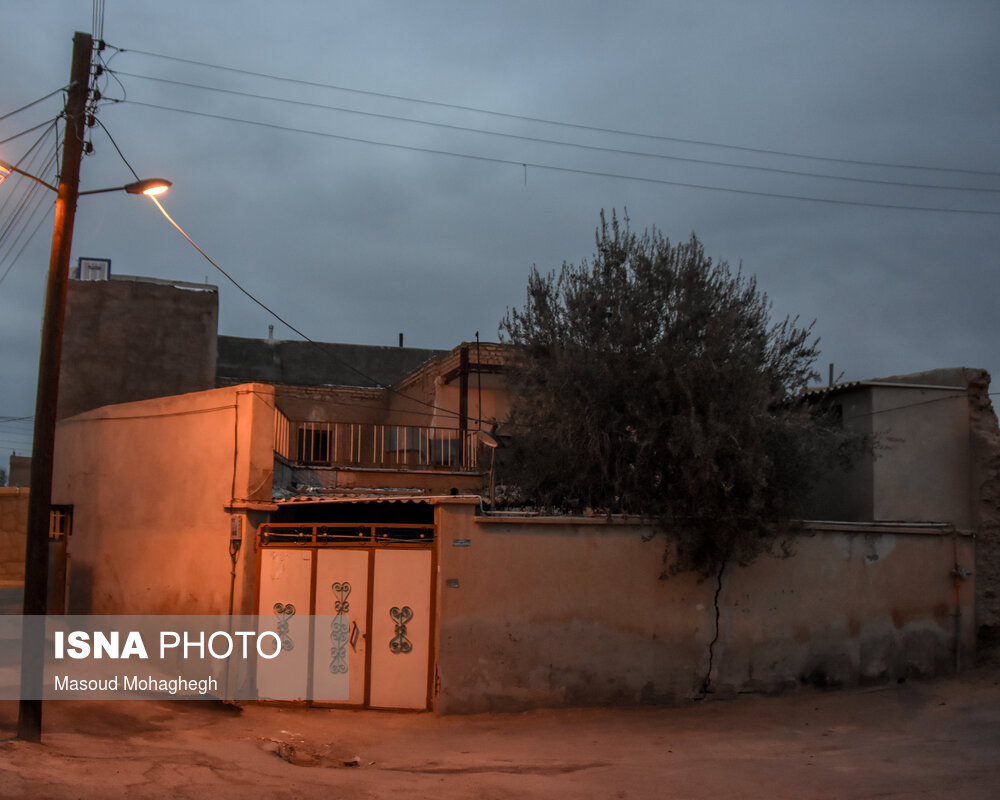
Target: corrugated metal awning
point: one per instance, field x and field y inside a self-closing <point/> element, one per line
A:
<point x="379" y="497"/>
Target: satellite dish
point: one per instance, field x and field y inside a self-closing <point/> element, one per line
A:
<point x="487" y="439"/>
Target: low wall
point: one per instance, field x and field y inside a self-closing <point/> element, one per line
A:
<point x="13" y="534"/>
<point x="548" y="612"/>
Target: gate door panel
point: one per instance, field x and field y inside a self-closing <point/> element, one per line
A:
<point x="400" y="631"/>
<point x="341" y="626"/>
<point x="285" y="579"/>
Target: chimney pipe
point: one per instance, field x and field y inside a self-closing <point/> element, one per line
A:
<point x="401" y="339"/>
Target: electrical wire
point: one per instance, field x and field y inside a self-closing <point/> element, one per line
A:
<point x="296" y="331"/>
<point x="26" y="206"/>
<point x="32" y="103"/>
<point x="577" y="126"/>
<point x="45" y="124"/>
<point x="27" y="241"/>
<point x="29" y="162"/>
<point x="560" y="142"/>
<point x="113" y="142"/>
<point x="97" y="23"/>
<point x="577" y="170"/>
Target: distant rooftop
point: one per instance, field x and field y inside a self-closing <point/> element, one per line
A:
<point x="296" y="363"/>
<point x="954" y="379"/>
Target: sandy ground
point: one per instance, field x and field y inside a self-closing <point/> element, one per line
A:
<point x="931" y="739"/>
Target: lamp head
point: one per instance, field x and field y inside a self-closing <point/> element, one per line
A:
<point x="150" y="186"/>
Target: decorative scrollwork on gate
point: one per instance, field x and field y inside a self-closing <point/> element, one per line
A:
<point x="401" y="616"/>
<point x="284" y="612"/>
<point x="339" y="628"/>
<point x="341" y="589"/>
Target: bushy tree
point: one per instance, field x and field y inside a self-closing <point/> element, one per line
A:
<point x="651" y="381"/>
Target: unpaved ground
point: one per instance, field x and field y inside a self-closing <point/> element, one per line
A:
<point x="916" y="740"/>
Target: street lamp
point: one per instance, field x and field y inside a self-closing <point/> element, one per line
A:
<point x="36" y="557"/>
<point x="149" y="187"/>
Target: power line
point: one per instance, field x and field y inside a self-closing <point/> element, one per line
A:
<point x="575" y="170"/>
<point x="24" y="246"/>
<point x="577" y="126"/>
<point x="117" y="148"/>
<point x="27" y="205"/>
<point x="295" y="330"/>
<point x="45" y="124"/>
<point x="97" y="21"/>
<point x="33" y="103"/>
<point x="560" y="142"/>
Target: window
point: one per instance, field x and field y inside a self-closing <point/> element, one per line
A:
<point x="60" y="522"/>
<point x="314" y="444"/>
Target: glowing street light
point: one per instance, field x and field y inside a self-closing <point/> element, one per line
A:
<point x="149" y="187"/>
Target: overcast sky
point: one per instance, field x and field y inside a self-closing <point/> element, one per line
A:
<point x="372" y="223"/>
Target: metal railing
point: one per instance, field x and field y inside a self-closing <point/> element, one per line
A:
<point x="366" y="444"/>
<point x="293" y="533"/>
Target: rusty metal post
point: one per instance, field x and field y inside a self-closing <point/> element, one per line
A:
<point x="463" y="400"/>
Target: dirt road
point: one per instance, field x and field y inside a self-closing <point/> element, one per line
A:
<point x="915" y="740"/>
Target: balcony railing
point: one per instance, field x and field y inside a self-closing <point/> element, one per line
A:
<point x="365" y="444"/>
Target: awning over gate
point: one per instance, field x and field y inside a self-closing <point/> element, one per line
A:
<point x="380" y="497"/>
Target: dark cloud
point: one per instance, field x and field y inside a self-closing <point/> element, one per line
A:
<point x="355" y="241"/>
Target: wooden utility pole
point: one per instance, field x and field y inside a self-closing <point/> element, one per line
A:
<point x="36" y="560"/>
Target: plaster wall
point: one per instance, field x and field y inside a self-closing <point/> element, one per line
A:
<point x="131" y="339"/>
<point x="487" y="402"/>
<point x="20" y="471"/>
<point x="922" y="468"/>
<point x="853" y="604"/>
<point x="562" y="614"/>
<point x="556" y="612"/>
<point x="153" y="486"/>
<point x="331" y="404"/>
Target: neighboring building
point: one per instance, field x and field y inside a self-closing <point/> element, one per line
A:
<point x="129" y="338"/>
<point x="301" y="363"/>
<point x="929" y="447"/>
<point x="348" y="478"/>
<point x="20" y="471"/>
<point x="936" y="459"/>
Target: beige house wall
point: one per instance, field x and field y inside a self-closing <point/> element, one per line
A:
<point x="154" y="486"/>
<point x="922" y="469"/>
<point x="538" y="613"/>
<point x="13" y="534"/>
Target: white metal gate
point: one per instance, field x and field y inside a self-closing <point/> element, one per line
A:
<point x="355" y="621"/>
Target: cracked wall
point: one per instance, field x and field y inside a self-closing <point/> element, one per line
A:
<point x="544" y="612"/>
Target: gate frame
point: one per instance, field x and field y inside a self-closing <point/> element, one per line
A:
<point x="371" y="545"/>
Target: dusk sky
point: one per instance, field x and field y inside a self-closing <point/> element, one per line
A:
<point x="367" y="169"/>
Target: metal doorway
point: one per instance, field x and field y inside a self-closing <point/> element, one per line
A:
<point x="353" y="607"/>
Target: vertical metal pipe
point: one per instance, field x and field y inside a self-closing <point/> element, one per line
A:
<point x="463" y="391"/>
